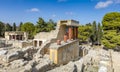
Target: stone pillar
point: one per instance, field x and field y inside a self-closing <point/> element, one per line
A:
<point x="19" y="37"/>
<point x="15" y="37"/>
<point x="75" y="37"/>
<point x="10" y="37"/>
<point x="76" y="32"/>
<point x="70" y="33"/>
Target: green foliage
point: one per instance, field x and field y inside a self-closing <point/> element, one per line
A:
<point x="93" y="36"/>
<point x="111" y="21"/>
<point x="14" y="27"/>
<point x="43" y="26"/>
<point x="96" y="34"/>
<point x="84" y="32"/>
<point x="50" y="25"/>
<point x="28" y="27"/>
<point x="20" y="25"/>
<point x="90" y="32"/>
<point x="2" y="26"/>
<point x="99" y="33"/>
<point x="108" y="44"/>
<point x="8" y="27"/>
<point x="111" y="27"/>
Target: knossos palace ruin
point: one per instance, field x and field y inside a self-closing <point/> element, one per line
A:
<point x="62" y="44"/>
<point x="58" y="50"/>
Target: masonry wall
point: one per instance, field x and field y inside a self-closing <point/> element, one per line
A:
<point x="61" y="32"/>
<point x="22" y="44"/>
<point x="65" y="53"/>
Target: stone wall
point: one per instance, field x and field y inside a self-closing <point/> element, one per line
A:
<point x="62" y="54"/>
<point x="61" y="32"/>
<point x="22" y="44"/>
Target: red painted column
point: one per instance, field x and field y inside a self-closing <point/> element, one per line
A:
<point x="76" y="32"/>
<point x="70" y="33"/>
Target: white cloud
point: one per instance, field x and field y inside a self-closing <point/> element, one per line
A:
<point x="33" y="10"/>
<point x="62" y="0"/>
<point x="69" y="13"/>
<point x="53" y="15"/>
<point x="103" y="4"/>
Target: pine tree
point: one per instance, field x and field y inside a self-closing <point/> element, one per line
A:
<point x="41" y="25"/>
<point x="14" y="27"/>
<point x="19" y="27"/>
<point x="93" y="36"/>
<point x="99" y="31"/>
<point x="8" y="27"/>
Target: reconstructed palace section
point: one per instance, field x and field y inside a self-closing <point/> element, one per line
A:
<point x="16" y="35"/>
<point x="68" y="27"/>
<point x="62" y="54"/>
<point x="61" y="44"/>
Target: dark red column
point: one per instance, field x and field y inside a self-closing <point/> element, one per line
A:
<point x="70" y="33"/>
<point x="76" y="32"/>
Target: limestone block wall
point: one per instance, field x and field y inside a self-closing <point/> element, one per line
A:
<point x="65" y="52"/>
<point x="54" y="34"/>
<point x="17" y="44"/>
<point x="61" y="33"/>
<point x="45" y="35"/>
<point x="22" y="44"/>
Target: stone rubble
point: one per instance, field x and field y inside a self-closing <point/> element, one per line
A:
<point x="28" y="60"/>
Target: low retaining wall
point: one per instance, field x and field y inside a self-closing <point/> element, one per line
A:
<point x="62" y="54"/>
<point x="22" y="44"/>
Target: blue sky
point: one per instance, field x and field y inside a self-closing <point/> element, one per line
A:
<point x="84" y="11"/>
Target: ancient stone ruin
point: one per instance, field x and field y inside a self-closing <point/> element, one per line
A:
<point x="55" y="51"/>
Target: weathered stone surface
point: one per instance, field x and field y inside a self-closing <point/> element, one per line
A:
<point x="102" y="69"/>
<point x="14" y="56"/>
<point x="79" y="64"/>
<point x="70" y="67"/>
<point x="3" y="52"/>
<point x="42" y="66"/>
<point x="28" y="68"/>
<point x="18" y="63"/>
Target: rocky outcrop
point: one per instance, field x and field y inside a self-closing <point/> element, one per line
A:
<point x="70" y="67"/>
<point x="14" y="56"/>
<point x="3" y="52"/>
